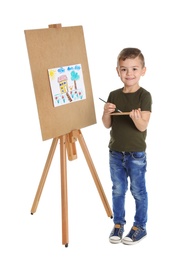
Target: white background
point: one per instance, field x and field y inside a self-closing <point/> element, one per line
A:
<point x="165" y="32"/>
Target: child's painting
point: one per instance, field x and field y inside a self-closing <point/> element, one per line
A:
<point x="67" y="84"/>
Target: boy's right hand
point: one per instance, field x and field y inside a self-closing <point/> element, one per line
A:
<point x="109" y="108"/>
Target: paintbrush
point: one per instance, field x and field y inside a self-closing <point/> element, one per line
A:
<point x="116" y="109"/>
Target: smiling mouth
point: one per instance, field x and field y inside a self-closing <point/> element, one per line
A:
<point x="129" y="78"/>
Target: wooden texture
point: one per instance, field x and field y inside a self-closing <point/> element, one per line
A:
<point x="56" y="47"/>
<point x="120" y="114"/>
<point x="68" y="150"/>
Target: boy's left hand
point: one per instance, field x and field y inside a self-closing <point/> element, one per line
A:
<point x="136" y="113"/>
<point x="140" y="118"/>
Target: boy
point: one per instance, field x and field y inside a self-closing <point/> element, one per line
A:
<point x="127" y="145"/>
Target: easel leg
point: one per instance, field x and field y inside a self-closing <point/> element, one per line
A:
<point x="44" y="175"/>
<point x="64" y="197"/>
<point x="67" y="147"/>
<point x="89" y="161"/>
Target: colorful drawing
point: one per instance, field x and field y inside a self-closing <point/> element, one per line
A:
<point x="67" y="84"/>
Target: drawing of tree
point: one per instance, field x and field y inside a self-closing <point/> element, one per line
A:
<point x="74" y="75"/>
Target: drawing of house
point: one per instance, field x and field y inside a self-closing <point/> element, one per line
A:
<point x="63" y="83"/>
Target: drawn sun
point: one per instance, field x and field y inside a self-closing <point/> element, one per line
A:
<point x="52" y="74"/>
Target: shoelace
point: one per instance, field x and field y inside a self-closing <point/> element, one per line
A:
<point x="137" y="230"/>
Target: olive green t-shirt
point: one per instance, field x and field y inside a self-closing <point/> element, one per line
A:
<point x="124" y="136"/>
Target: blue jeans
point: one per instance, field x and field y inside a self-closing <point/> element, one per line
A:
<point x="124" y="165"/>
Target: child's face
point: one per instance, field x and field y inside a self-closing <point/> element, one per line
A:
<point x="130" y="71"/>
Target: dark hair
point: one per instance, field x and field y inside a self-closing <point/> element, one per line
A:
<point x="131" y="53"/>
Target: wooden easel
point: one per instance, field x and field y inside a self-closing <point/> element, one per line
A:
<point x="68" y="149"/>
